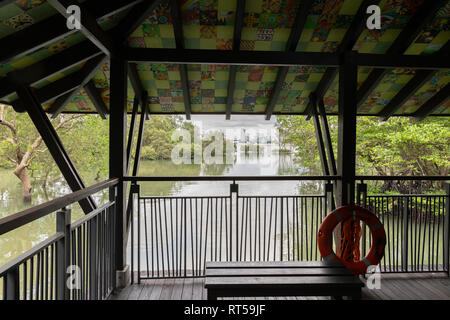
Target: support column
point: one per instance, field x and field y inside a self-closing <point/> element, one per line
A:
<point x="347" y="129"/>
<point x="117" y="159"/>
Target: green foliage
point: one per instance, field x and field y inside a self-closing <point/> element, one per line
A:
<point x="157" y="143"/>
<point x="394" y="147"/>
<point x="296" y="131"/>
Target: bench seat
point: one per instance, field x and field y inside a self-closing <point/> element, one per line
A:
<point x="287" y="278"/>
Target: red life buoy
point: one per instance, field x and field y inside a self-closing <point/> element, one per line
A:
<point x="325" y="240"/>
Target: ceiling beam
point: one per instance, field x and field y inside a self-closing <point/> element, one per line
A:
<point x="276" y="58"/>
<point x="179" y="41"/>
<point x="96" y="99"/>
<point x="52" y="29"/>
<point x="421" y="77"/>
<point x="424" y="15"/>
<point x="134" y="19"/>
<point x="432" y="104"/>
<point x="291" y="45"/>
<point x="140" y="92"/>
<point x="405" y="93"/>
<point x="58" y="88"/>
<point x="86" y="74"/>
<point x="51" y="65"/>
<point x="89" y="26"/>
<point x="238" y="25"/>
<point x="6" y="2"/>
<point x="351" y="36"/>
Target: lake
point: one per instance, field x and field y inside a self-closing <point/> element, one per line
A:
<point x="268" y="162"/>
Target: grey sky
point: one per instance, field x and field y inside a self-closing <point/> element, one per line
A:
<point x="236" y="122"/>
<point x="254" y="125"/>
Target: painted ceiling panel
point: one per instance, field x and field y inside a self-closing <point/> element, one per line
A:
<point x="209" y="24"/>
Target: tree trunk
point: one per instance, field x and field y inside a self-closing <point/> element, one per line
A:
<point x="22" y="174"/>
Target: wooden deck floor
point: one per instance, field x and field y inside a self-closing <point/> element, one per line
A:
<point x="393" y="287"/>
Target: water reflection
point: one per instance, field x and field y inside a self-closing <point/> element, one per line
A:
<point x="245" y="164"/>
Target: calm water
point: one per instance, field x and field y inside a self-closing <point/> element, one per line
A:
<point x="269" y="163"/>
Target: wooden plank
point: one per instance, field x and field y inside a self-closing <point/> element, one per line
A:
<point x="188" y="285"/>
<point x="167" y="289"/>
<point x="157" y="289"/>
<point x="122" y="294"/>
<point x="274" y="264"/>
<point x="436" y="287"/>
<point x="135" y="292"/>
<point x="300" y="272"/>
<point x="197" y="289"/>
<point x="147" y="291"/>
<point x="177" y="291"/>
<point x="282" y="281"/>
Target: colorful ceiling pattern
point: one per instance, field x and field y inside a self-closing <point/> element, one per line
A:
<point x="209" y="24"/>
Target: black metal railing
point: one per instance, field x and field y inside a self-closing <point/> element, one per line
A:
<point x="77" y="262"/>
<point x="174" y="236"/>
<point x="417" y="230"/>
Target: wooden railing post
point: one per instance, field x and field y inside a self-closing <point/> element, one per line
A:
<point x="405" y="235"/>
<point x="12" y="284"/>
<point x="447" y="230"/>
<point x="63" y="219"/>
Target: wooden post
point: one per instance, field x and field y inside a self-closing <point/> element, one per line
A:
<point x="117" y="151"/>
<point x="347" y="129"/>
<point x="63" y="219"/>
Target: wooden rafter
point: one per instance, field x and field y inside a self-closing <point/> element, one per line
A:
<point x="433" y="103"/>
<point x="54" y="64"/>
<point x="52" y="29"/>
<point x="421" y="77"/>
<point x="96" y="99"/>
<point x="291" y="45"/>
<point x="89" y="26"/>
<point x="86" y="74"/>
<point x="179" y="40"/>
<point x="238" y="24"/>
<point x="425" y="13"/>
<point x="351" y="36"/>
<point x="60" y="87"/>
<point x="134" y="19"/>
<point x="277" y="58"/>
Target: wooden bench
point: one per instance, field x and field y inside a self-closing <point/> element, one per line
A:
<point x="288" y="278"/>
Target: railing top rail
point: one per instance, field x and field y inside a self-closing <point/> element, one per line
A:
<point x="405" y="195"/>
<point x="19" y="219"/>
<point x="26" y="255"/>
<point x="412" y="178"/>
<point x="232" y="178"/>
<point x="91" y="215"/>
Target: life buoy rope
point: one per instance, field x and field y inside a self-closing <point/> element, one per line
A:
<point x="341" y="215"/>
